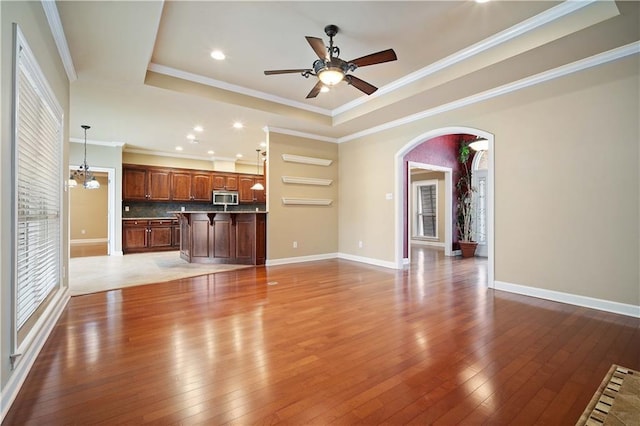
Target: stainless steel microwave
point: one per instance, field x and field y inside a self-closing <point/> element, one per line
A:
<point x="225" y="198"/>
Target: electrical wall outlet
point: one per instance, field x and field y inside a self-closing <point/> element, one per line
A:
<point x="126" y="208"/>
<point x="82" y="231"/>
<point x="295" y="244"/>
<point x="359" y="244"/>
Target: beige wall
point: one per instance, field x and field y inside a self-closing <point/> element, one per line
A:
<point x="88" y="211"/>
<point x="583" y="236"/>
<point x="33" y="23"/>
<point x="439" y="176"/>
<point x="315" y="228"/>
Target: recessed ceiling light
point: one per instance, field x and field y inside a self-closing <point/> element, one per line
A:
<point x="239" y="155"/>
<point x="263" y="144"/>
<point x="482" y="1"/>
<point x="218" y="55"/>
<point x="178" y="148"/>
<point x="190" y="136"/>
<point x="238" y="125"/>
<point x="210" y="152"/>
<point x="198" y="129"/>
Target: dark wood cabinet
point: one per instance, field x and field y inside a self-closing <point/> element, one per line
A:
<point x="217" y="237"/>
<point x="181" y="183"/>
<point x="248" y="195"/>
<point x="190" y="186"/>
<point x="225" y="181"/>
<point x="134" y="236"/>
<point x="150" y="235"/>
<point x="201" y="186"/>
<point x="146" y="184"/>
<point x="134" y="184"/>
<point x="151" y="183"/>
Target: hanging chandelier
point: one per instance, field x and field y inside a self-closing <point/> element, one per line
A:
<point x="258" y="186"/>
<point x="83" y="175"/>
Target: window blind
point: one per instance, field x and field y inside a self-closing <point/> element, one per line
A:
<point x="38" y="173"/>
<point x="427" y="205"/>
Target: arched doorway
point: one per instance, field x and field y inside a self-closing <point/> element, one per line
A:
<point x="400" y="179"/>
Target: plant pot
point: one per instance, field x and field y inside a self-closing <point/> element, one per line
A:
<point x="468" y="248"/>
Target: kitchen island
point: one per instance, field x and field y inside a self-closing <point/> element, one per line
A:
<point x="237" y="237"/>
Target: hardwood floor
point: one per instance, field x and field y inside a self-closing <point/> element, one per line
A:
<point x="324" y="342"/>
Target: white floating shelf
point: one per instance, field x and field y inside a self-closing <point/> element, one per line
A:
<point x="306" y="160"/>
<point x="307" y="180"/>
<point x="306" y="201"/>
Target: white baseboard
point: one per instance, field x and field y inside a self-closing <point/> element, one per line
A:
<point x="368" y="260"/>
<point x="571" y="299"/>
<point x="299" y="259"/>
<point x="117" y="253"/>
<point x="325" y="256"/>
<point x="427" y="243"/>
<point x="88" y="241"/>
<point x="24" y="364"/>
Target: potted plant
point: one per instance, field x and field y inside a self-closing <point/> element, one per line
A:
<point x="465" y="214"/>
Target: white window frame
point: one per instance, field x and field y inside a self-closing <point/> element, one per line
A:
<point x="23" y="58"/>
<point x="416" y="209"/>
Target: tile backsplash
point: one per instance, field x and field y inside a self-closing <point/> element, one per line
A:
<point x="160" y="209"/>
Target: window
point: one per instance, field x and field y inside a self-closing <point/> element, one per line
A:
<point x="426" y="209"/>
<point x="37" y="174"/>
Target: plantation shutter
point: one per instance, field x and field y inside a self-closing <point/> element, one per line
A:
<point x="37" y="187"/>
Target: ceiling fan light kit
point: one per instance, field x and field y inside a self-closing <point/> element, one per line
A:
<point x="331" y="70"/>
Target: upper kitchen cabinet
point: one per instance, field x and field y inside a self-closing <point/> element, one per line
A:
<point x="190" y="186"/>
<point x="225" y="181"/>
<point x="248" y="195"/>
<point x="146" y="184"/>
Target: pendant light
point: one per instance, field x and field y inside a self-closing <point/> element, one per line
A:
<point x="83" y="174"/>
<point x="258" y="186"/>
<point x="479" y="144"/>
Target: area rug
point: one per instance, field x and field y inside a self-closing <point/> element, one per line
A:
<point x="102" y="273"/>
<point x="617" y="401"/>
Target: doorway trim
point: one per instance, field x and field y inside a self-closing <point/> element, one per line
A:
<point x="111" y="203"/>
<point x="448" y="202"/>
<point x="399" y="179"/>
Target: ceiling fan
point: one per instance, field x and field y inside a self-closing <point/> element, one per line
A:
<point x="331" y="70"/>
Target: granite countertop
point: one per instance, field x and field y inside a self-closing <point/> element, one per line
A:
<point x="219" y="211"/>
<point x="150" y="218"/>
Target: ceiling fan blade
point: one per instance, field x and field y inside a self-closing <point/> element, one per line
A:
<point x="375" y="58"/>
<point x="318" y="46"/>
<point x="316" y="89"/>
<point x="360" y="84"/>
<point x="272" y="72"/>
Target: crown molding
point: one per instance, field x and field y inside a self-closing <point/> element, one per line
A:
<point x="55" y="24"/>
<point x="94" y="142"/>
<point x="196" y="78"/>
<point x="299" y="134"/>
<point x="517" y="30"/>
<point x="599" y="59"/>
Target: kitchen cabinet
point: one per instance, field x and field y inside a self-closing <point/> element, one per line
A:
<point x="146" y="184"/>
<point x="225" y="181"/>
<point x="223" y="237"/>
<point x="144" y="235"/>
<point x="248" y="195"/>
<point x="191" y="186"/>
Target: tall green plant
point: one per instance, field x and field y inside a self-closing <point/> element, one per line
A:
<point x="465" y="191"/>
